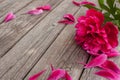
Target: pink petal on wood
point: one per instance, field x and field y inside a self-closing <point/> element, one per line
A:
<point x="113" y="53"/>
<point x="68" y="77"/>
<point x="110" y="65"/>
<point x="34" y="77"/>
<point x="70" y="17"/>
<point x="35" y="12"/>
<point x="97" y="61"/>
<point x="65" y="22"/>
<point x="108" y="74"/>
<point x="57" y="74"/>
<point x="45" y="7"/>
<point x="9" y="17"/>
<point x="84" y="2"/>
<point x="76" y="3"/>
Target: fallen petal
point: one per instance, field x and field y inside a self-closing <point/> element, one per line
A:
<point x="76" y="3"/>
<point x="113" y="53"/>
<point x="97" y="61"/>
<point x="109" y="65"/>
<point x="35" y="12"/>
<point x="84" y="2"/>
<point x="46" y="7"/>
<point x="9" y="17"/>
<point x="68" y="77"/>
<point x="65" y="22"/>
<point x="108" y="74"/>
<point x="34" y="77"/>
<point x="57" y="74"/>
<point x="70" y="17"/>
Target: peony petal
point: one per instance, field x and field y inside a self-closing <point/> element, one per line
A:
<point x="34" y="77"/>
<point x="108" y="74"/>
<point x="112" y="53"/>
<point x="87" y="3"/>
<point x="35" y="12"/>
<point x="45" y="7"/>
<point x="57" y="74"/>
<point x="9" y="17"/>
<point x="95" y="13"/>
<point x="65" y="22"/>
<point x="68" y="77"/>
<point x="97" y="61"/>
<point x="70" y="17"/>
<point x="109" y="65"/>
<point x="112" y="34"/>
<point x="76" y="3"/>
<point x="52" y="68"/>
<point x="84" y="2"/>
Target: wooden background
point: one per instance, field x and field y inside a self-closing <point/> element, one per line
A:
<point x="29" y="44"/>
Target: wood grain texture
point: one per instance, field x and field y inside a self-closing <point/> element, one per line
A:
<point x="24" y="56"/>
<point x="12" y="6"/>
<point x="13" y="31"/>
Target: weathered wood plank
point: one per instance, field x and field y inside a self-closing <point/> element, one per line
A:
<point x="14" y="30"/>
<point x="26" y="53"/>
<point x="12" y="5"/>
<point x="63" y="53"/>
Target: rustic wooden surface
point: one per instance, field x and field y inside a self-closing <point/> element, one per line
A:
<point x="29" y="44"/>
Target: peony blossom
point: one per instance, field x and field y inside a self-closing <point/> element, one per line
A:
<point x="9" y="17"/>
<point x="95" y="38"/>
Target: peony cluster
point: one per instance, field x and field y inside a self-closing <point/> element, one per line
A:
<point x="95" y="36"/>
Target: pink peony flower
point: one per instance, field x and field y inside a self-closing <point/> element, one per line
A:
<point x="95" y="38"/>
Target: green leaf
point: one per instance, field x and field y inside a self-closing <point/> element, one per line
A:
<point x="107" y="17"/>
<point x="103" y="6"/>
<point x="110" y="3"/>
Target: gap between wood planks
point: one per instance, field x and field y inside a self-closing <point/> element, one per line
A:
<point x="45" y="63"/>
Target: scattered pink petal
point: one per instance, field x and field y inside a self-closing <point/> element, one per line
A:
<point x="35" y="12"/>
<point x="52" y="68"/>
<point x="109" y="65"/>
<point x="97" y="61"/>
<point x="34" y="77"/>
<point x="76" y="3"/>
<point x="69" y="17"/>
<point x="9" y="17"/>
<point x="45" y="7"/>
<point x="108" y="74"/>
<point x="65" y="22"/>
<point x="113" y="53"/>
<point x="84" y="2"/>
<point x="68" y="77"/>
<point x="57" y="74"/>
